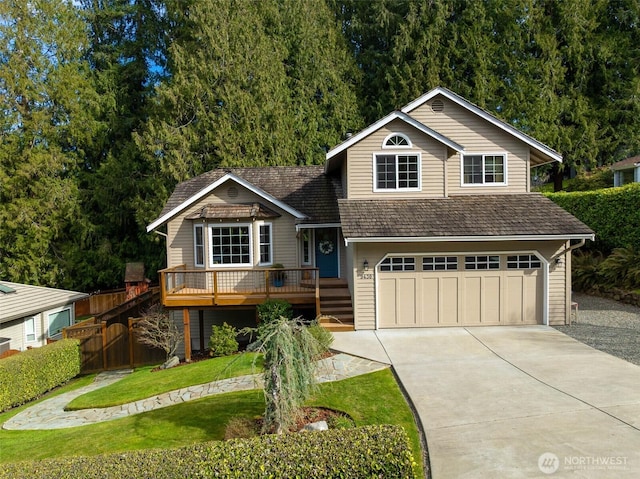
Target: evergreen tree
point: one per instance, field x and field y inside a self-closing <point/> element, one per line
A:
<point x="251" y="83"/>
<point x="48" y="104"/>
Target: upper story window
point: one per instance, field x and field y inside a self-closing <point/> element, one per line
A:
<point x="395" y="140"/>
<point x="397" y="172"/>
<point x="231" y="245"/>
<point x="484" y="169"/>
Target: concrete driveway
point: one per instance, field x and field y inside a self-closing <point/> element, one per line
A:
<point x="512" y="402"/>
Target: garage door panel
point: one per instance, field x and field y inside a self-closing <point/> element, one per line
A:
<point x="514" y="294"/>
<point x="387" y="302"/>
<point x="429" y="313"/>
<point x="407" y="304"/>
<point x="450" y="296"/>
<point x="532" y="298"/>
<point x="491" y="299"/>
<point x="472" y="300"/>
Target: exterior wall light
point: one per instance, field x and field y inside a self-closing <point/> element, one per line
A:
<point x="365" y="265"/>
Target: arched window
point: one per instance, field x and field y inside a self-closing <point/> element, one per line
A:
<point x="395" y="140"/>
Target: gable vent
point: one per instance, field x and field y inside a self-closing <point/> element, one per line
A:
<point x="437" y="105"/>
<point x="232" y="192"/>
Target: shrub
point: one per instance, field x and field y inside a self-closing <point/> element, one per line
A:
<point x="30" y="374"/>
<point x="613" y="214"/>
<point x="273" y="309"/>
<point x="622" y="268"/>
<point x="371" y="451"/>
<point x="222" y="341"/>
<point x="158" y="330"/>
<point x="323" y="336"/>
<point x="585" y="270"/>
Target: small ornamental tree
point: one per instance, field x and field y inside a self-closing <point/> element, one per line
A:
<point x="157" y="330"/>
<point x="289" y="352"/>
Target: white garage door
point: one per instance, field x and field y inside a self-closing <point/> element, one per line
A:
<point x="460" y="290"/>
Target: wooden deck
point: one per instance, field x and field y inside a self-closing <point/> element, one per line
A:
<point x="182" y="288"/>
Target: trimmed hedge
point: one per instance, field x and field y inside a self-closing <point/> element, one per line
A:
<point x="365" y="452"/>
<point x="612" y="213"/>
<point x="30" y="374"/>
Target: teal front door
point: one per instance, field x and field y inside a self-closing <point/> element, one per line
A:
<point x="327" y="252"/>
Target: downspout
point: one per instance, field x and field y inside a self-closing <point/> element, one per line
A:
<point x="570" y="248"/>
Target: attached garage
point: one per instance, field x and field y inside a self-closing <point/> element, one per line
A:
<point x="460" y="290"/>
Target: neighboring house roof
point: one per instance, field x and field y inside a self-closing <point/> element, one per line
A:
<point x="28" y="300"/>
<point x="464" y="218"/>
<point x="396" y="115"/>
<point x="544" y="154"/>
<point x="626" y="164"/>
<point x="303" y="191"/>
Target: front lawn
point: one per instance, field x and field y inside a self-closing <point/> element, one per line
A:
<point x="373" y="398"/>
<point x="143" y="383"/>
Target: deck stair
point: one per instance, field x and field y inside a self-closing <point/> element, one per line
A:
<point x="336" y="306"/>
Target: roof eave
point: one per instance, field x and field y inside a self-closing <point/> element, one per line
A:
<point x="547" y="151"/>
<point x="395" y="115"/>
<point x="208" y="189"/>
<point x="435" y="239"/>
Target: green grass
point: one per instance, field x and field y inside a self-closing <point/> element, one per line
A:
<point x="143" y="383"/>
<point x="369" y="399"/>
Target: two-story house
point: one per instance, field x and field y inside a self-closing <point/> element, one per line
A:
<point x="423" y="219"/>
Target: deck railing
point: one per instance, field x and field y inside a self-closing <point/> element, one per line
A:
<point x="181" y="286"/>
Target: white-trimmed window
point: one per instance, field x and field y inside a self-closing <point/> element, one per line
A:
<point x="484" y="169"/>
<point x="482" y="262"/>
<point x="397" y="172"/>
<point x="523" y="261"/>
<point x="307" y="238"/>
<point x="58" y="321"/>
<point x="30" y="329"/>
<point x="440" y="263"/>
<point x="266" y="244"/>
<point x="198" y="245"/>
<point x="230" y="245"/>
<point x="395" y="140"/>
<point x="398" y="264"/>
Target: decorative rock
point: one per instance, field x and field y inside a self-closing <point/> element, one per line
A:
<point x="316" y="426"/>
<point x="171" y="362"/>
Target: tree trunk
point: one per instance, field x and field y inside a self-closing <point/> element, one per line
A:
<point x="557" y="176"/>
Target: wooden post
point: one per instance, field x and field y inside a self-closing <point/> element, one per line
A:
<point x="104" y="345"/>
<point x="131" y="349"/>
<point x="187" y="334"/>
<point x="317" y="274"/>
<point x="266" y="282"/>
<point x="163" y="287"/>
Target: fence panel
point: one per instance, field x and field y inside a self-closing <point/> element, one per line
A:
<point x="90" y="337"/>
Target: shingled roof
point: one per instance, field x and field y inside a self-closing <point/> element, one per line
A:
<point x="626" y="164"/>
<point x="304" y="188"/>
<point x="459" y="216"/>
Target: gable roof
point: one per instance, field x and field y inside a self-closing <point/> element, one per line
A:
<point x="305" y="192"/>
<point x="396" y="115"/>
<point x="28" y="300"/>
<point x="462" y="218"/>
<point x="454" y="97"/>
<point x="626" y="164"/>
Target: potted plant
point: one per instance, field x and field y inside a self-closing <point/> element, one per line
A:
<point x="278" y="277"/>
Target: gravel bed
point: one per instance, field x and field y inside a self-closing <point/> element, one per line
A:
<point x="607" y="325"/>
